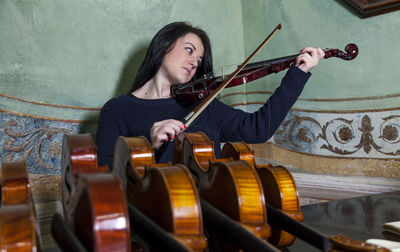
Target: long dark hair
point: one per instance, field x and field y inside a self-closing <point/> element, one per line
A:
<point x="160" y="45"/>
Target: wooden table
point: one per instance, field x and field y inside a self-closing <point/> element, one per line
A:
<point x="358" y="218"/>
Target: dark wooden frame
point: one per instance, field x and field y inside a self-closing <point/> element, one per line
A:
<point x="368" y="8"/>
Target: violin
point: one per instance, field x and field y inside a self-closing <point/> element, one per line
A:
<point x="17" y="213"/>
<point x="282" y="204"/>
<point x="232" y="187"/>
<point x="93" y="199"/>
<point x="201" y="88"/>
<point x="279" y="189"/>
<point x="165" y="193"/>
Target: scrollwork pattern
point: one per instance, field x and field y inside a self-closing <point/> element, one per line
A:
<point x="341" y="136"/>
<point x="22" y="144"/>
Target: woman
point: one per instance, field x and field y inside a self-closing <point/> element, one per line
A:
<point x="177" y="54"/>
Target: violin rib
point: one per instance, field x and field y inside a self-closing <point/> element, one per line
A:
<point x="165" y="193"/>
<point x="17" y="214"/>
<point x="93" y="199"/>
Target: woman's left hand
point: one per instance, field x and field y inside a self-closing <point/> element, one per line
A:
<point x="309" y="58"/>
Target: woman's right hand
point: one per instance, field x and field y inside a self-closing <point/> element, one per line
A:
<point x="163" y="131"/>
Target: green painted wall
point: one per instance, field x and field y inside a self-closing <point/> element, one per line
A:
<point x="327" y="24"/>
<point x="60" y="61"/>
<point x="81" y="53"/>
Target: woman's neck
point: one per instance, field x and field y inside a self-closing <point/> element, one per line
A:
<point x="155" y="88"/>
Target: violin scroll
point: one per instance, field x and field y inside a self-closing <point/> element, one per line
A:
<point x="350" y="54"/>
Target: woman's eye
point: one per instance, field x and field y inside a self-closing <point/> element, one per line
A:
<point x="189" y="50"/>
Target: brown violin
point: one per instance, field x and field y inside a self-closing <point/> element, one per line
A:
<point x="201" y="88"/>
<point x="165" y="193"/>
<point x="279" y="189"/>
<point x="232" y="187"/>
<point x="17" y="214"/>
<point x="283" y="207"/>
<point x="93" y="199"/>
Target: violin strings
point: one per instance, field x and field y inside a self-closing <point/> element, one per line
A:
<point x="269" y="116"/>
<point x="222" y="70"/>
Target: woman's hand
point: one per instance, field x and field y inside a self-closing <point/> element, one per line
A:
<point x="164" y="131"/>
<point x="309" y="58"/>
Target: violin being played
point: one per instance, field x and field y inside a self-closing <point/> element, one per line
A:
<point x="180" y="53"/>
<point x="201" y="88"/>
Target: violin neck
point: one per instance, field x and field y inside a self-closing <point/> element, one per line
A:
<point x="286" y="59"/>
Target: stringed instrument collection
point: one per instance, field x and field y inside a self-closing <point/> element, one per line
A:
<point x="197" y="203"/>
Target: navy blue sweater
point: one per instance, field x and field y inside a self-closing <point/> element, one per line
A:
<point x="130" y="116"/>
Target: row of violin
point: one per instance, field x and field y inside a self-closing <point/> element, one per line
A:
<point x="196" y="203"/>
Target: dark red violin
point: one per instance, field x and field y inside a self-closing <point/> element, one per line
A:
<point x="201" y="88"/>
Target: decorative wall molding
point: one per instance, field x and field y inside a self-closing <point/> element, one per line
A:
<point x="47" y="104"/>
<point x="36" y="140"/>
<point x="372" y="134"/>
<point x="361" y="135"/>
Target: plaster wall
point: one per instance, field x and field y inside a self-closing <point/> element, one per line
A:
<point x="346" y="120"/>
<point x="60" y="61"/>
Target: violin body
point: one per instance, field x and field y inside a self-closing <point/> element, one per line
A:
<point x="279" y="187"/>
<point x="93" y="199"/>
<point x="165" y="193"/>
<point x="17" y="214"/>
<point x="201" y="88"/>
<point x="232" y="187"/>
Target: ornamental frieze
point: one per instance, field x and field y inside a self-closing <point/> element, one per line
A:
<point x="370" y="135"/>
<point x="35" y="140"/>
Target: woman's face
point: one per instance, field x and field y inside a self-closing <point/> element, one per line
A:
<point x="180" y="63"/>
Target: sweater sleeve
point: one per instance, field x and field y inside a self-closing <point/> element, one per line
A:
<point x="107" y="133"/>
<point x="237" y="125"/>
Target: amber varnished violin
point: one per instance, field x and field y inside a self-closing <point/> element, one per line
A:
<point x="201" y="88"/>
<point x="282" y="204"/>
<point x="165" y="193"/>
<point x="232" y="187"/>
<point x="17" y="215"/>
<point x="93" y="198"/>
<point x="279" y="187"/>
